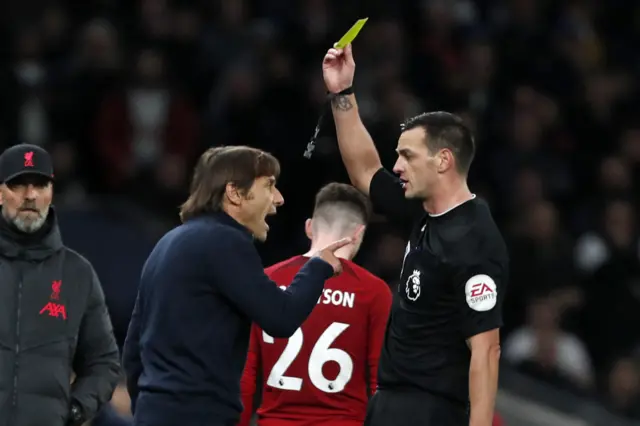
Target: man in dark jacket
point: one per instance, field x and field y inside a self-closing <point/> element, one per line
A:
<point x="201" y="288"/>
<point x="58" y="355"/>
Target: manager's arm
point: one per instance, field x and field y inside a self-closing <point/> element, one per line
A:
<point x="238" y="274"/>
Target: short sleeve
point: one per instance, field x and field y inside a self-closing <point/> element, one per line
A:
<point x="480" y="290"/>
<point x="387" y="198"/>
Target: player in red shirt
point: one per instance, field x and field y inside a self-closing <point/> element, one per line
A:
<point x="324" y="373"/>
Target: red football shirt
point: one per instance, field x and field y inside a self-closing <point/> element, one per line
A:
<point x="328" y="368"/>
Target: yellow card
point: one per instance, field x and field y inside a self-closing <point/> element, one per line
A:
<point x="351" y="34"/>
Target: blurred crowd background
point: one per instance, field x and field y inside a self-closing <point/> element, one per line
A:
<point x="126" y="94"/>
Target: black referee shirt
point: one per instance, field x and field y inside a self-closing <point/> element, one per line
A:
<point x="452" y="285"/>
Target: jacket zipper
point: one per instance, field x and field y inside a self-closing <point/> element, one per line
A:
<point x="14" y="399"/>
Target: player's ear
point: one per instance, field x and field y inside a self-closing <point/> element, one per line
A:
<point x="360" y="233"/>
<point x="359" y="237"/>
<point x="308" y="228"/>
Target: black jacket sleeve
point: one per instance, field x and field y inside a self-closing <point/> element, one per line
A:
<point x="96" y="359"/>
<point x="131" y="361"/>
<point x="238" y="274"/>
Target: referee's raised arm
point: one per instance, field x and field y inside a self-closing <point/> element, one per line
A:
<point x="358" y="151"/>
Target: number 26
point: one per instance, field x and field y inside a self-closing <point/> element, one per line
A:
<point x="321" y="354"/>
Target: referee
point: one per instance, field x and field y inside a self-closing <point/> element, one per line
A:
<point x="442" y="346"/>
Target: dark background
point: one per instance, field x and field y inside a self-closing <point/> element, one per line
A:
<point x="126" y="95"/>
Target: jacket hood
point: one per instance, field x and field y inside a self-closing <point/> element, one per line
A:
<point x="35" y="246"/>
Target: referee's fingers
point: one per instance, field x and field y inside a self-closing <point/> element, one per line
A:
<point x="348" y="51"/>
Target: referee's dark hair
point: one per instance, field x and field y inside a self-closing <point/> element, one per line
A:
<point x="337" y="202"/>
<point x="446" y="130"/>
<point x="217" y="167"/>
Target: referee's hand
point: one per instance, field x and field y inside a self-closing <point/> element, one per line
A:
<point x="328" y="253"/>
<point x="338" y="69"/>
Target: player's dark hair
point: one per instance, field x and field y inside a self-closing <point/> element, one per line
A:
<point x="217" y="167"/>
<point x="345" y="198"/>
<point x="446" y="130"/>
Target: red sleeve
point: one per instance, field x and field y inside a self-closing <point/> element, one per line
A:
<point x="378" y="317"/>
<point x="249" y="377"/>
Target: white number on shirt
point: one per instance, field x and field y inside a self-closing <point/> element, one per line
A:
<point x="321" y="354"/>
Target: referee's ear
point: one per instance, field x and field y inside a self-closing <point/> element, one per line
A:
<point x="308" y="228"/>
<point x="446" y="160"/>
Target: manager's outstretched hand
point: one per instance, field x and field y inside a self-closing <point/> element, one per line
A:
<point x="328" y="253"/>
<point x="338" y="69"/>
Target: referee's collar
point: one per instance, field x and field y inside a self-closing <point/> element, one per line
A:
<point x="473" y="197"/>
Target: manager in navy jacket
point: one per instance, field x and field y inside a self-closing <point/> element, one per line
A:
<point x="201" y="288"/>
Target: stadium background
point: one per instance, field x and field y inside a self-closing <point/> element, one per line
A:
<point x="126" y="94"/>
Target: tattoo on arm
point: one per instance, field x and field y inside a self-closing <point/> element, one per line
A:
<point x="341" y="102"/>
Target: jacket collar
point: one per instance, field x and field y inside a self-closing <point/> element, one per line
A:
<point x="226" y="219"/>
<point x="36" y="246"/>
